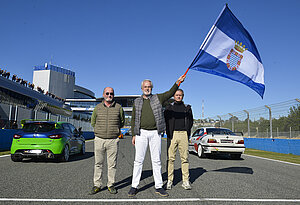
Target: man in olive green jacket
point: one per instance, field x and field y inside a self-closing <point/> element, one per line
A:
<point x="107" y="120"/>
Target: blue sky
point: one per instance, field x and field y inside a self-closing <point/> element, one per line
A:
<point x="119" y="43"/>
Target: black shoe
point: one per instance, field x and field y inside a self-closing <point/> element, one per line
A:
<point x="112" y="190"/>
<point x="95" y="190"/>
<point x="132" y="191"/>
<point x="161" y="192"/>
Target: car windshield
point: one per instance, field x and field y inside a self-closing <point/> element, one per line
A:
<point x="219" y="131"/>
<point x="38" y="127"/>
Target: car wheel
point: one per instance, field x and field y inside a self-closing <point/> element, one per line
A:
<point x="82" y="152"/>
<point x="16" y="159"/>
<point x="200" y="151"/>
<point x="235" y="156"/>
<point x="66" y="154"/>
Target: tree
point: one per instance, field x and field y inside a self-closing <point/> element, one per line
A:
<point x="294" y="118"/>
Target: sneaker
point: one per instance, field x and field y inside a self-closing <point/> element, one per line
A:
<point x="132" y="191"/>
<point x="95" y="190"/>
<point x="112" y="190"/>
<point x="161" y="192"/>
<point x="169" y="185"/>
<point x="186" y="185"/>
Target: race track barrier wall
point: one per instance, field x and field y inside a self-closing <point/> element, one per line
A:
<point x="88" y="135"/>
<point x="6" y="137"/>
<point x="285" y="146"/>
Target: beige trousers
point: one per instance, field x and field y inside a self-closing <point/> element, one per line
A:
<point x="180" y="142"/>
<point x="110" y="147"/>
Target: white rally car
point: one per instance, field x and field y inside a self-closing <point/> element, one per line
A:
<point x="213" y="140"/>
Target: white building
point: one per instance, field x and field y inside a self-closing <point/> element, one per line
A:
<point x="55" y="80"/>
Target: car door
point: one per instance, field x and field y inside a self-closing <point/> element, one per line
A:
<point x="196" y="138"/>
<point x="76" y="139"/>
<point x="70" y="137"/>
<point x="192" y="140"/>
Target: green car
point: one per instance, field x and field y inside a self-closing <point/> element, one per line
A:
<point x="47" y="139"/>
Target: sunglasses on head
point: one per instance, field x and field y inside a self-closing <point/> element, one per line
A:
<point x="109" y="93"/>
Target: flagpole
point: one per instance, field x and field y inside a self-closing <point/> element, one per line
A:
<point x="205" y="40"/>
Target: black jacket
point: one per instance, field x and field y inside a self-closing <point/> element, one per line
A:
<point x="170" y="120"/>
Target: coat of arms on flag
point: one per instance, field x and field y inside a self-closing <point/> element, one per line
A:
<point x="234" y="58"/>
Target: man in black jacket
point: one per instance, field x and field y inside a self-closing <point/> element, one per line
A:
<point x="179" y="121"/>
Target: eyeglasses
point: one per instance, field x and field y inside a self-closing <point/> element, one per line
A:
<point x="109" y="93"/>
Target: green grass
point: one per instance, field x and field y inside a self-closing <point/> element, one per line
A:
<point x="274" y="155"/>
<point x="4" y="152"/>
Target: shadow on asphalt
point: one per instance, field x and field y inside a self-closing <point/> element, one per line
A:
<point x="127" y="181"/>
<point x="218" y="157"/>
<point x="78" y="157"/>
<point x="124" y="183"/>
<point x="241" y="170"/>
<point x="195" y="173"/>
<point x="72" y="158"/>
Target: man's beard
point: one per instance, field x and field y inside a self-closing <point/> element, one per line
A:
<point x="108" y="99"/>
<point x="147" y="93"/>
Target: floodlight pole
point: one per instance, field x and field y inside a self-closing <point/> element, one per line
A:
<point x="220" y="120"/>
<point x="270" y="117"/>
<point x="232" y="122"/>
<point x="210" y="119"/>
<point x="248" y="122"/>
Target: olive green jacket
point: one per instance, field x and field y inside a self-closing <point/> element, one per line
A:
<point x="107" y="121"/>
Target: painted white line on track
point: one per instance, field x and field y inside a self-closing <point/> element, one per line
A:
<point x="148" y="200"/>
<point x="271" y="159"/>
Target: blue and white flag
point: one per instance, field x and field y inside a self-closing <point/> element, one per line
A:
<point x="229" y="51"/>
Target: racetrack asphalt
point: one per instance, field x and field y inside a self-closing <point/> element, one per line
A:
<point x="217" y="180"/>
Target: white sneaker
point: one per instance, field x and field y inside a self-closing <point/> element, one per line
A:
<point x="169" y="185"/>
<point x="186" y="185"/>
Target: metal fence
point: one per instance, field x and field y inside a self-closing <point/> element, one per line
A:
<point x="280" y="120"/>
<point x="11" y="116"/>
